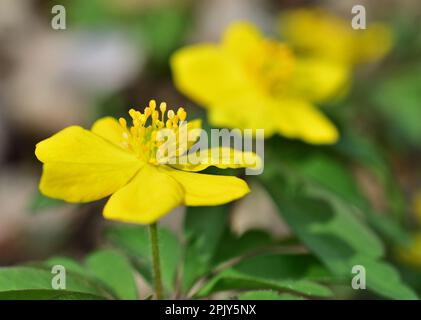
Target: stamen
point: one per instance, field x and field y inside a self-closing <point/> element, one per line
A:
<point x="181" y="114"/>
<point x="141" y="137"/>
<point x="123" y="122"/>
<point x="170" y="114"/>
<point x="152" y="104"/>
<point x="163" y="108"/>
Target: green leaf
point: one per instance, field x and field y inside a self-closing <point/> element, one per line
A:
<point x="333" y="175"/>
<point x="47" y="295"/>
<point x="360" y="149"/>
<point x="115" y="271"/>
<point x="398" y="98"/>
<point x="68" y="263"/>
<point x="267" y="295"/>
<point x="232" y="246"/>
<point x="297" y="273"/>
<point x="163" y="30"/>
<point x="385" y="280"/>
<point x="39" y="203"/>
<point x="231" y="280"/>
<point x="330" y="228"/>
<point x="134" y="240"/>
<point x="203" y="227"/>
<point x="29" y="278"/>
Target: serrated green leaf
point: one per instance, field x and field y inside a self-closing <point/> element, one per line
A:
<point x="329" y="227"/>
<point x="297" y="273"/>
<point x="332" y="175"/>
<point x="231" y="280"/>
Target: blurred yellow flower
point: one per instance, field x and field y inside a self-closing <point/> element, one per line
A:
<point x="249" y="81"/>
<point x="317" y="33"/>
<point x="120" y="160"/>
<point x="411" y="255"/>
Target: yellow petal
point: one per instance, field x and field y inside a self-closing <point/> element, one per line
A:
<point x="110" y="129"/>
<point x="80" y="166"/>
<point x="319" y="79"/>
<point x="242" y="39"/>
<point x="149" y="196"/>
<point x="222" y="158"/>
<point x="373" y="43"/>
<point x="311" y="31"/>
<point x="249" y="110"/>
<point x="301" y="120"/>
<point x="208" y="190"/>
<point x="205" y="73"/>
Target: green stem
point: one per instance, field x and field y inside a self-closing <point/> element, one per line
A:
<point x="153" y="231"/>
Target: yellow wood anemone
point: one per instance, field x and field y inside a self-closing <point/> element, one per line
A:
<point x="250" y="81"/>
<point x="119" y="160"/>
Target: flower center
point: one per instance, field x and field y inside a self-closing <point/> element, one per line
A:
<point x="144" y="138"/>
<point x="272" y="65"/>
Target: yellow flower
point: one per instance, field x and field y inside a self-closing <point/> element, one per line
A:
<point x="120" y="160"/>
<point x="411" y="255"/>
<point x="315" y="32"/>
<point x="249" y="81"/>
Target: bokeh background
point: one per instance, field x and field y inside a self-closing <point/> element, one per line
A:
<point x="114" y="55"/>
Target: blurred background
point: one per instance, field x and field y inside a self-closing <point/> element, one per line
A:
<point x="114" y="55"/>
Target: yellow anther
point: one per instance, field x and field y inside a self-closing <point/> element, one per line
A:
<point x="181" y="113"/>
<point x="163" y="107"/>
<point x="147" y="111"/>
<point x="132" y="113"/>
<point x="170" y="114"/>
<point x="152" y="105"/>
<point x="123" y="122"/>
<point x="168" y="124"/>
